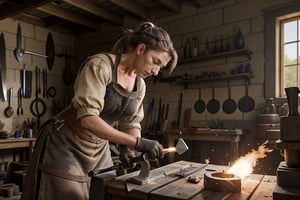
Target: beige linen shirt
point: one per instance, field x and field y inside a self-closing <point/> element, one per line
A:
<point x="90" y="88"/>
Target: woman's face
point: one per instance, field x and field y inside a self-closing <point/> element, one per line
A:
<point x="149" y="62"/>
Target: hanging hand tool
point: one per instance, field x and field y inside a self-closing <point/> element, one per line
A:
<point x="23" y="78"/>
<point x="3" y="91"/>
<point x="19" y="52"/>
<point x="39" y="80"/>
<point x="37" y="107"/>
<point x="45" y="87"/>
<point x="9" y="111"/>
<point x="26" y="82"/>
<point x="20" y="108"/>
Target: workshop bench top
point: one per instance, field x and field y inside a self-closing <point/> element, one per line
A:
<point x="166" y="183"/>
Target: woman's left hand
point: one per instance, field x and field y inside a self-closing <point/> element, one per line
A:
<point x="125" y="156"/>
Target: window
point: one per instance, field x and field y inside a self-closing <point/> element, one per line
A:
<point x="289" y="54"/>
<point x="281" y="49"/>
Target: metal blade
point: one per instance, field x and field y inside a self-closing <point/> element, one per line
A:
<point x="50" y="51"/>
<point x="19" y="51"/>
<point x="3" y="91"/>
<point x="181" y="146"/>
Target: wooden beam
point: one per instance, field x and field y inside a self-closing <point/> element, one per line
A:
<point x="203" y="3"/>
<point x="96" y="10"/>
<point x="70" y="16"/>
<point x="172" y="5"/>
<point x="29" y="19"/>
<point x="16" y="9"/>
<point x="133" y="7"/>
<point x="160" y="12"/>
<point x="51" y="21"/>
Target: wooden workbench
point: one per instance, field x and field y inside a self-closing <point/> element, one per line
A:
<point x="172" y="186"/>
<point x="15" y="143"/>
<point x="233" y="137"/>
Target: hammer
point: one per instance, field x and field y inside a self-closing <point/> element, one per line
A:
<point x="180" y="148"/>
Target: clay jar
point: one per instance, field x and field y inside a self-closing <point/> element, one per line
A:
<point x="239" y="41"/>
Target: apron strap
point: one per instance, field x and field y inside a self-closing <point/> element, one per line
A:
<point x="55" y="172"/>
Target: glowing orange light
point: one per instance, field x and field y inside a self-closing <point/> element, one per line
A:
<point x="243" y="167"/>
<point x="170" y="150"/>
<point x="206" y="160"/>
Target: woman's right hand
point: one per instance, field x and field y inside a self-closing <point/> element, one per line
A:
<point x="153" y="148"/>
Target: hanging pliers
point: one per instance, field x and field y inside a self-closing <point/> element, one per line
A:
<point x="20" y="108"/>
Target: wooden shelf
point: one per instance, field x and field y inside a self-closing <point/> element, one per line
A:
<point x="245" y="76"/>
<point x="239" y="52"/>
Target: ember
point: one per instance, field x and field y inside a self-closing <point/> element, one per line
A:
<point x="243" y="167"/>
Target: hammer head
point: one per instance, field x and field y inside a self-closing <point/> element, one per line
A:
<point x="181" y="146"/>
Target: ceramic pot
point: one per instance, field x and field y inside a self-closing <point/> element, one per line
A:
<point x="239" y="40"/>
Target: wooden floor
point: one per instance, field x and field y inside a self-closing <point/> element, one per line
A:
<point x="170" y="185"/>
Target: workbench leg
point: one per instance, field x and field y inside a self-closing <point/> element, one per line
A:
<point x="98" y="185"/>
<point x="234" y="149"/>
<point x="30" y="149"/>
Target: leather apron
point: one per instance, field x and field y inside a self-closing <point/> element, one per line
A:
<point x="64" y="153"/>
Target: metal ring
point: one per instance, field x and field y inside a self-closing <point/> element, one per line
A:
<point x="51" y="91"/>
<point x="36" y="111"/>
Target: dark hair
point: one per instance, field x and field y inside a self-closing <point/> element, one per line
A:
<point x="152" y="36"/>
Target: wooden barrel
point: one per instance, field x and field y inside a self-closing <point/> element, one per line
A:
<point x="266" y="122"/>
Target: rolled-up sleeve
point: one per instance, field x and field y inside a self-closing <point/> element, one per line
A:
<point x="90" y="86"/>
<point x="135" y="119"/>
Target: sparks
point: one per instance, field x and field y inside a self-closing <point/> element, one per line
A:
<point x="243" y="167"/>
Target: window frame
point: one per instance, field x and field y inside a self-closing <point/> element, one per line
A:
<point x="272" y="18"/>
<point x="282" y="43"/>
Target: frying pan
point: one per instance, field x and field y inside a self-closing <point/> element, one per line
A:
<point x="199" y="105"/>
<point x="246" y="103"/>
<point x="229" y="105"/>
<point x="213" y="106"/>
<point x="9" y="111"/>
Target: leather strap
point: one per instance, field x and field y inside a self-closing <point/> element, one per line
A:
<point x="30" y="186"/>
<point x="68" y="117"/>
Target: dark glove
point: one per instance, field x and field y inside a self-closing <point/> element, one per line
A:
<point x="151" y="147"/>
<point x="125" y="155"/>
